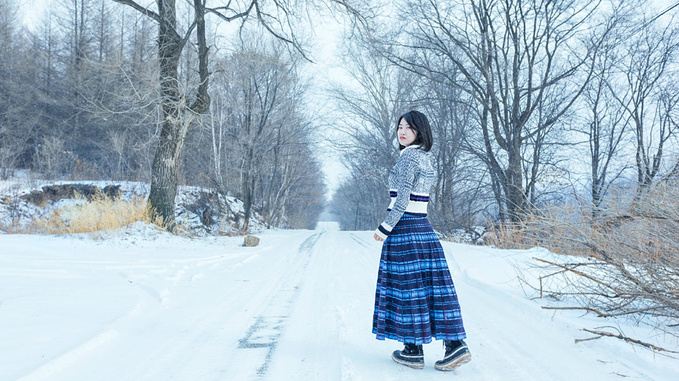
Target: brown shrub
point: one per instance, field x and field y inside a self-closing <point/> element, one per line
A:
<point x="630" y="250"/>
<point x="99" y="213"/>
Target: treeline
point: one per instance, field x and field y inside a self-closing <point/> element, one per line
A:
<point x="80" y="98"/>
<point x="533" y="104"/>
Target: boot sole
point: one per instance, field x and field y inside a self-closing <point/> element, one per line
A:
<point x="465" y="358"/>
<point x="408" y="364"/>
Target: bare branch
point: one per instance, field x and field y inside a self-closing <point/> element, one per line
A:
<point x="629" y="340"/>
<point x="219" y="12"/>
<point x="142" y="10"/>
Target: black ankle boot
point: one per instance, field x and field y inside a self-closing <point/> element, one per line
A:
<point x="412" y="355"/>
<point x="457" y="354"/>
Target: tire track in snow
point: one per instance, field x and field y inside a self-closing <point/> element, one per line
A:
<point x="319" y="340"/>
<point x="360" y="241"/>
<point x="213" y="351"/>
<point x="174" y="333"/>
<point x="46" y="371"/>
<point x="267" y="328"/>
<point x="147" y="301"/>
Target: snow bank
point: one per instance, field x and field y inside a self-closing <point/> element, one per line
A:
<point x="198" y="211"/>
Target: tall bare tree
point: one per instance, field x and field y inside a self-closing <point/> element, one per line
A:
<point x="365" y="132"/>
<point x="10" y="146"/>
<point x="461" y="197"/>
<point x="605" y="124"/>
<point x="178" y="113"/>
<point x="649" y="96"/>
<point x="260" y="135"/>
<point x="258" y="86"/>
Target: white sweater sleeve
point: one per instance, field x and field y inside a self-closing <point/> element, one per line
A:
<point x="407" y="168"/>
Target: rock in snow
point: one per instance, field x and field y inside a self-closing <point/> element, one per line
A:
<point x="250" y="241"/>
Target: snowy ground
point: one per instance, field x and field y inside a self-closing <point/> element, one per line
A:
<point x="144" y="305"/>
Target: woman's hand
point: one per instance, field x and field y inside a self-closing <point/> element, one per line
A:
<point x="378" y="238"/>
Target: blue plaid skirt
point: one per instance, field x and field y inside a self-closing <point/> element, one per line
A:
<point x="415" y="298"/>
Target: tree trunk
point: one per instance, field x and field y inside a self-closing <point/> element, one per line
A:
<point x="516" y="199"/>
<point x="177" y="116"/>
<point x="165" y="167"/>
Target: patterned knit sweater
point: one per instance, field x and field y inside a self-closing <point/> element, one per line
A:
<point x="410" y="181"/>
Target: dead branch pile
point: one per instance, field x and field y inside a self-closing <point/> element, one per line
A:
<point x="61" y="191"/>
<point x="626" y="259"/>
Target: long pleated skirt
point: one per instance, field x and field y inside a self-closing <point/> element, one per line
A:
<point x="415" y="299"/>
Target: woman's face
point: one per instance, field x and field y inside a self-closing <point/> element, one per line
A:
<point x="406" y="135"/>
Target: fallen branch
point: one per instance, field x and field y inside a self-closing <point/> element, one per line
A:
<point x="587" y="339"/>
<point x="601" y="314"/>
<point x="578" y="273"/>
<point x="605" y="315"/>
<point x="629" y="340"/>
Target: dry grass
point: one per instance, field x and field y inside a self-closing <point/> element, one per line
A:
<point x="82" y="216"/>
<point x="67" y="210"/>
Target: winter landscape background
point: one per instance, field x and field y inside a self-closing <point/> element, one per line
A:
<point x="141" y="140"/>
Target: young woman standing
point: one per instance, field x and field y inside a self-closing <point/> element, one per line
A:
<point x="415" y="299"/>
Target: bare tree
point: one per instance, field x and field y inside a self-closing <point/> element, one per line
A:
<point x="260" y="136"/>
<point x="367" y="132"/>
<point x="103" y="26"/>
<point x="10" y="143"/>
<point x="648" y="95"/>
<point x="359" y="202"/>
<point x="461" y="196"/>
<point x="299" y="188"/>
<point x="21" y="88"/>
<point x="605" y="125"/>
<point x="178" y="113"/>
<point x="74" y="19"/>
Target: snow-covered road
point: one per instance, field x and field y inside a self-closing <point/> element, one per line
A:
<point x="149" y="306"/>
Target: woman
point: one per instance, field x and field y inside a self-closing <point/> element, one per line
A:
<point x="415" y="298"/>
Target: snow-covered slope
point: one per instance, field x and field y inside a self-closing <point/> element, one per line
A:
<point x="199" y="211"/>
<point x="145" y="305"/>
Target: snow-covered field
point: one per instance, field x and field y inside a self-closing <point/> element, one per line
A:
<point x="144" y="305"/>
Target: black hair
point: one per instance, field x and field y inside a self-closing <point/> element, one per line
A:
<point x="418" y="122"/>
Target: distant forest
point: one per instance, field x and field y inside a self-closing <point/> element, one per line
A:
<point x="80" y="98"/>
